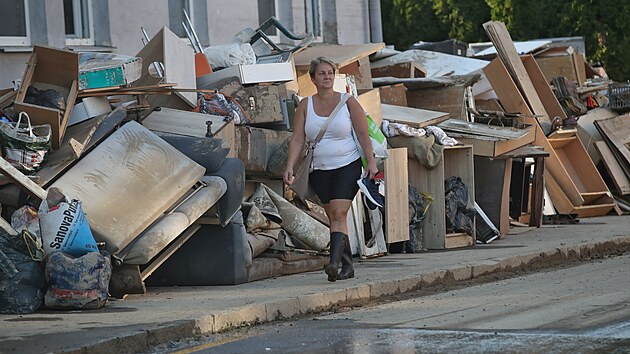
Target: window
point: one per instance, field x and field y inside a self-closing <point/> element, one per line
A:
<point x="266" y="9"/>
<point x="313" y="17"/>
<point x="14" y="20"/>
<point x="78" y="21"/>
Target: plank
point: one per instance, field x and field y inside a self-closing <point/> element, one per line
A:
<point x="341" y="55"/>
<point x="407" y="69"/>
<point x="414" y="117"/>
<point x="21" y="180"/>
<point x="617" y="129"/>
<point x="547" y="97"/>
<point x="370" y="101"/>
<point x="397" y="196"/>
<point x="619" y="177"/>
<point x="394" y="94"/>
<point x="506" y="50"/>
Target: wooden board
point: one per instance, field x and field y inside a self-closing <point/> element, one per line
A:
<point x="360" y="70"/>
<point x="22" y="181"/>
<point x="394" y="94"/>
<point x="615" y="171"/>
<point x="547" y="97"/>
<point x="506" y="51"/>
<point x="443" y="99"/>
<point x="413" y="117"/>
<point x="493" y="147"/>
<point x="408" y="69"/>
<point x="341" y="55"/>
<point x="397" y="196"/>
<point x="555" y="66"/>
<point x="617" y="129"/>
<point x="580" y="68"/>
<point x="370" y="100"/>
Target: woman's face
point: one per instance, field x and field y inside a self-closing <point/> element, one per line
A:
<point x="324" y="76"/>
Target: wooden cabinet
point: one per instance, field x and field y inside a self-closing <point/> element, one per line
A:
<point x="456" y="161"/>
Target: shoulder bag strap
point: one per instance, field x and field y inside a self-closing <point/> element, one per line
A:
<point x="342" y="101"/>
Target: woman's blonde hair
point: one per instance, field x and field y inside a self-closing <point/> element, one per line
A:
<point x="315" y="62"/>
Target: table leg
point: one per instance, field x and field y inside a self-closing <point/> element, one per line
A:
<point x="537" y="196"/>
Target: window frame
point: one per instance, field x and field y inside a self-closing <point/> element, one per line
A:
<point x="309" y="19"/>
<point x="18" y="41"/>
<point x="73" y="40"/>
<point x="275" y="37"/>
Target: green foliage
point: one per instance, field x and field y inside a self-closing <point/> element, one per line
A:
<point x="602" y="23"/>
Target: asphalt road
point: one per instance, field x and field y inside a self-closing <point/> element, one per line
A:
<point x="581" y="309"/>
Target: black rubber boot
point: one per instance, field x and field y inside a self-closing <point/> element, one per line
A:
<point x="337" y="245"/>
<point x="347" y="270"/>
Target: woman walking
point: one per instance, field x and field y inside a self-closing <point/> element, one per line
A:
<point x="336" y="159"/>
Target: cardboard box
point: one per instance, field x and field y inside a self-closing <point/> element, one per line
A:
<point x="50" y="68"/>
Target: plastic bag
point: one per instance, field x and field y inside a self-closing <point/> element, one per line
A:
<point x="26" y="222"/>
<point x="379" y="144"/>
<point x="459" y="218"/>
<point x="22" y="281"/>
<point x="77" y="283"/>
<point x="221" y="105"/>
<point x="46" y="98"/>
<point x="25" y="147"/>
<point x="64" y="226"/>
<point x="225" y="55"/>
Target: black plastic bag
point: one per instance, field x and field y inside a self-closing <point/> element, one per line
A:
<point x="459" y="218"/>
<point x="46" y="98"/>
<point x="21" y="291"/>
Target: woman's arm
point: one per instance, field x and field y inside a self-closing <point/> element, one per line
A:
<point x="357" y="114"/>
<point x="297" y="140"/>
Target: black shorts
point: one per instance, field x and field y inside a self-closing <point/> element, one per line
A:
<point x="340" y="183"/>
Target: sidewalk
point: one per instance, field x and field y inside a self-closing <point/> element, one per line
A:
<point x="166" y="314"/>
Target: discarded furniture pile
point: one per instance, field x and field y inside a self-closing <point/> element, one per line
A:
<point x="176" y="154"/>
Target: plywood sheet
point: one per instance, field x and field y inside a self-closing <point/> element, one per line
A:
<point x="341" y="55"/>
<point x="414" y="117"/>
<point x="547" y="97"/>
<point x="397" y="196"/>
<point x="127" y="182"/>
<point x="370" y="100"/>
<point x="394" y="94"/>
<point x="617" y="129"/>
<point x="621" y="181"/>
<point x="509" y="56"/>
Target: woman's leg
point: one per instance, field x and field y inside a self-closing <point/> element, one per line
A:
<point x="337" y="212"/>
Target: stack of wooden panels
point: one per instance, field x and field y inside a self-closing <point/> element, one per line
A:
<point x="572" y="180"/>
<point x="615" y="150"/>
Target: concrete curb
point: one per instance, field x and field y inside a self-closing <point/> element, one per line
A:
<point x="315" y="303"/>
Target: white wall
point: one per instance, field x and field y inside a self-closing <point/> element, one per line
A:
<point x="127" y="16"/>
<point x="353" y="21"/>
<point x="226" y="18"/>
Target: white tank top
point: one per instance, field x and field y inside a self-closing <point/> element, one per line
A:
<point x="337" y="147"/>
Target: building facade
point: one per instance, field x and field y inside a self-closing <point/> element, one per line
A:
<point x="115" y="25"/>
